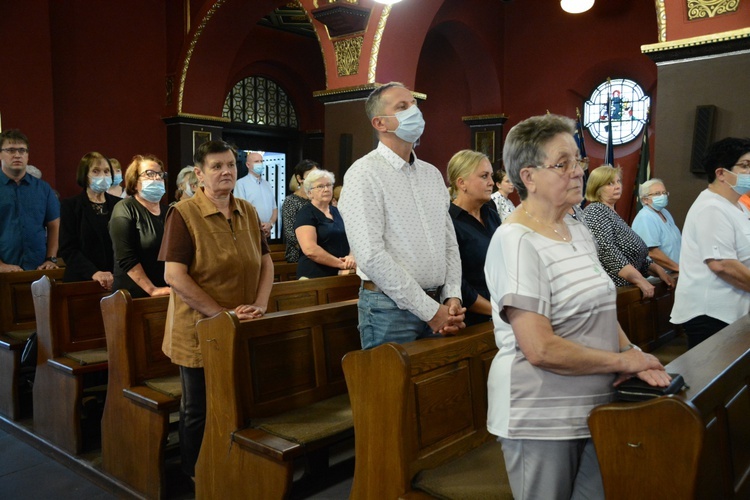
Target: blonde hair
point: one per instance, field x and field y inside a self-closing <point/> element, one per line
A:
<point x="462" y="165"/>
<point x="600" y="177"/>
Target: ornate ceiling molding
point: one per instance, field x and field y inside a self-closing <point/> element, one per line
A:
<point x="699" y="9"/>
<point x="372" y="69"/>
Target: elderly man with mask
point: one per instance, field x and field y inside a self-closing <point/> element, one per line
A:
<point x="395" y="208"/>
<point x="656" y="227"/>
<point x="255" y="189"/>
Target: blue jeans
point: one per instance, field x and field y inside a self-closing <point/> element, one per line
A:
<point x="381" y="321"/>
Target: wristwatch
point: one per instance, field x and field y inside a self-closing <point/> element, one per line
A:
<point x="629" y="347"/>
<point x="52" y="259"/>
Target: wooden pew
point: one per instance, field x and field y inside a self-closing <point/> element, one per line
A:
<point x="17" y="322"/>
<point x="646" y="321"/>
<point x="262" y="376"/>
<point x="71" y="345"/>
<point x="284" y="271"/>
<point x="135" y="331"/>
<point x="420" y="409"/>
<point x="692" y="445"/>
<point x="135" y="423"/>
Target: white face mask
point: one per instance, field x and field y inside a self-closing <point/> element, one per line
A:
<point x="410" y="124"/>
<point x="188" y="191"/>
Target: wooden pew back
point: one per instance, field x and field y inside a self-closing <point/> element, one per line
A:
<point x="708" y="422"/>
<point x="646" y="321"/>
<point x="68" y="320"/>
<point x="284" y="271"/>
<point x="17" y="322"/>
<point x="416" y="406"/>
<point x="16" y="302"/>
<point x="262" y="368"/>
<point x="288" y="295"/>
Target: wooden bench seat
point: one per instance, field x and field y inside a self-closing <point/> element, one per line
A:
<point x="17" y="323"/>
<point x="256" y="372"/>
<point x="135" y="332"/>
<point x="68" y="321"/>
<point x="421" y="406"/>
<point x="695" y="444"/>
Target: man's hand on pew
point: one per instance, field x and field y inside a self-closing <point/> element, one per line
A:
<point x="449" y="318"/>
<point x="9" y="268"/>
<point x="249" y="311"/>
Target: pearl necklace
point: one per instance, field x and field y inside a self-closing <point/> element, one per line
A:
<point x="566" y="240"/>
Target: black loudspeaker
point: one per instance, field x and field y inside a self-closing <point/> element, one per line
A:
<point x="345" y="154"/>
<point x="703" y="136"/>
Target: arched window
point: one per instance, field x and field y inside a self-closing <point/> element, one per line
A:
<point x="259" y="101"/>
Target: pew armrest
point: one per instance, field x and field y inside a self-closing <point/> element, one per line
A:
<point x="264" y="443"/>
<point x="74" y="368"/>
<point x="151" y="399"/>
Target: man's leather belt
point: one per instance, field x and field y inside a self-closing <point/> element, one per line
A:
<point x="434" y="293"/>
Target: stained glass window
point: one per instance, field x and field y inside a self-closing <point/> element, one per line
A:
<point x="259" y="101"/>
<point x="628" y="107"/>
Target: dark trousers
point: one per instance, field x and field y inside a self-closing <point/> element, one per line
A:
<point x="192" y="416"/>
<point x="700" y="328"/>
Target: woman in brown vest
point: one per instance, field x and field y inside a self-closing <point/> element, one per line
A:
<point x="217" y="259"/>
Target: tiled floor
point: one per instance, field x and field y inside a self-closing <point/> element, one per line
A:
<point x="28" y="474"/>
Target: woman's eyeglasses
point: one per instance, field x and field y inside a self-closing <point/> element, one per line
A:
<point x="323" y="186"/>
<point x="568" y="166"/>
<point x="153" y="175"/>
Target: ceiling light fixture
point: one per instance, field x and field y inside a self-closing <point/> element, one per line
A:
<point x="576" y="6"/>
<point x="388" y="2"/>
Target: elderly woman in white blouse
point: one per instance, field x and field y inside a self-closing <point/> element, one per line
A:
<point x="554" y="312"/>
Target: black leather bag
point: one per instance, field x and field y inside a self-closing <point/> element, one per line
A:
<point x="636" y="389"/>
<point x="28" y="356"/>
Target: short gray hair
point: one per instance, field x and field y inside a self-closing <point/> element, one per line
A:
<point x="644" y="188"/>
<point x="315" y="175"/>
<point x="524" y="145"/>
<point x="374" y="103"/>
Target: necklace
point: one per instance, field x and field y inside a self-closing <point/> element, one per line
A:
<point x="566" y="240"/>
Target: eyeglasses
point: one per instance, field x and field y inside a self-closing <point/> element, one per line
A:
<point x="153" y="175"/>
<point x="568" y="166"/>
<point x="660" y="193"/>
<point x="14" y="151"/>
<point x="323" y="186"/>
<point x="744" y="164"/>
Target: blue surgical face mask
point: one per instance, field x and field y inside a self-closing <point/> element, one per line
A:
<point x="742" y="185"/>
<point x="152" y="190"/>
<point x="100" y="184"/>
<point x="259" y="168"/>
<point x="410" y="124"/>
<point x="188" y="191"/>
<point x="659" y="202"/>
<point x="118" y="179"/>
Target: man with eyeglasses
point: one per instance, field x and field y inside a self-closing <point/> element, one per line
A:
<point x="256" y="190"/>
<point x="29" y="211"/>
<point x="656" y="227"/>
<point x="395" y="208"/>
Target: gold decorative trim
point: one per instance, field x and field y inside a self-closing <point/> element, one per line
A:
<point x="346" y="90"/>
<point x="191" y="48"/>
<point x="698" y="9"/>
<point x="483" y="117"/>
<point x="661" y="20"/>
<point x="347" y="55"/>
<point x="360" y="88"/>
<point x="698" y="40"/>
<point x="204" y="117"/>
<point x="377" y="38"/>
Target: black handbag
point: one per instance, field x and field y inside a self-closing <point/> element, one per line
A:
<point x="636" y="389"/>
<point x="28" y="355"/>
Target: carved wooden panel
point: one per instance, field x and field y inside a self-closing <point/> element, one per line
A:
<point x="282" y="364"/>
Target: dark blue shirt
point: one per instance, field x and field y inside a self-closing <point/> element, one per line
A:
<point x="331" y="238"/>
<point x="25" y="209"/>
<point x="473" y="239"/>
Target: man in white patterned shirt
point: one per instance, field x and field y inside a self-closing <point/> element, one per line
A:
<point x="395" y="208"/>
